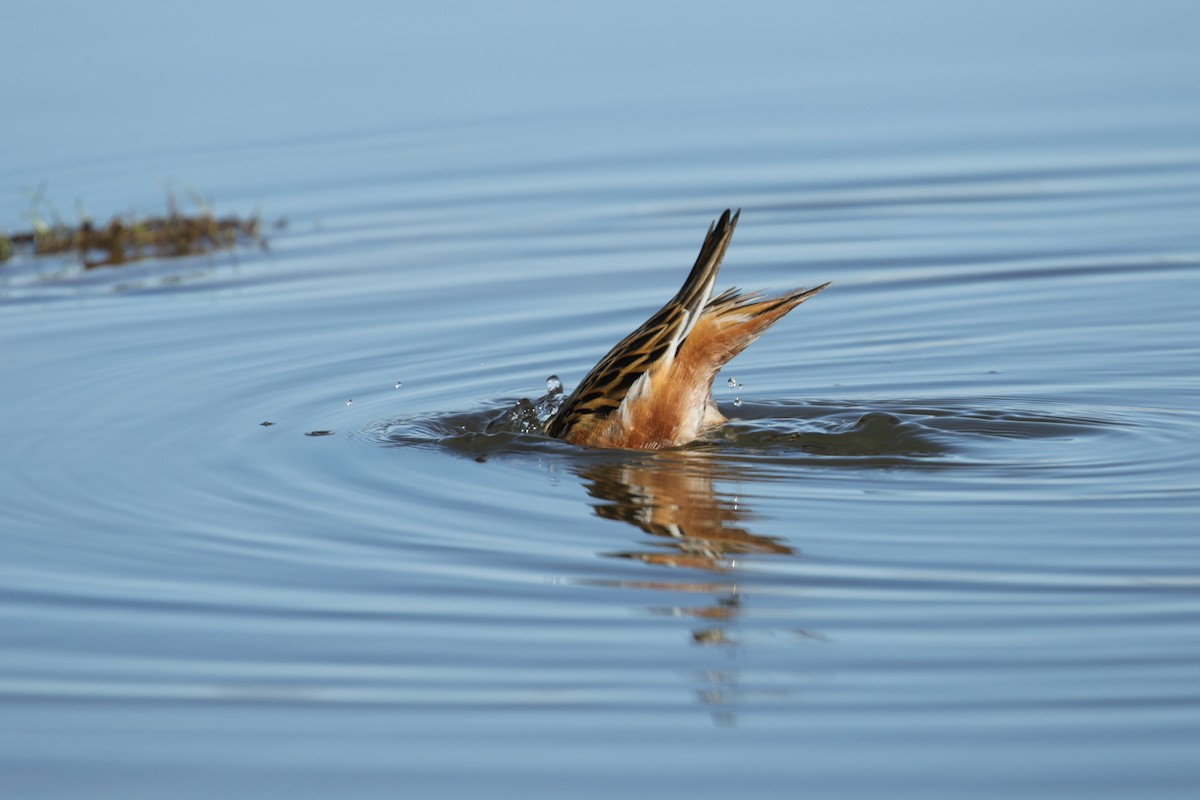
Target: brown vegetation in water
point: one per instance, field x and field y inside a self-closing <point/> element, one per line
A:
<point x="126" y="238"/>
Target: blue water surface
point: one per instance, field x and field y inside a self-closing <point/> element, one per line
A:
<point x="947" y="545"/>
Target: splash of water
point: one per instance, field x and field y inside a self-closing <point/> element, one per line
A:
<point x="531" y="416"/>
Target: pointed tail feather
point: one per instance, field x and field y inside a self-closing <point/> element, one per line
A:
<point x="697" y="289"/>
<point x="732" y="320"/>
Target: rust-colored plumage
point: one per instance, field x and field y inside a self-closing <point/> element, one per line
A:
<point x="654" y="389"/>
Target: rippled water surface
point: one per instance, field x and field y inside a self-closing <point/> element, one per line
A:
<point x="267" y="534"/>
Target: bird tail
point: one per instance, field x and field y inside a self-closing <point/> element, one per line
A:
<point x="732" y="320"/>
<point x="693" y="296"/>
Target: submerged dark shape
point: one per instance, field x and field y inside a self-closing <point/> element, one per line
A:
<point x="875" y="433"/>
<point x="653" y="390"/>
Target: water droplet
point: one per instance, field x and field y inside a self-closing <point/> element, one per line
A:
<point x="731" y="383"/>
<point x="737" y="401"/>
<point x="548" y="404"/>
<point x="741" y="386"/>
<point x="398" y="384"/>
<point x="349" y="402"/>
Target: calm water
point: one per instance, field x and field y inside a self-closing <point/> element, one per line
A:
<point x="948" y="545"/>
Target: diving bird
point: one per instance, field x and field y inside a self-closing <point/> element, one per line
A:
<point x="654" y="388"/>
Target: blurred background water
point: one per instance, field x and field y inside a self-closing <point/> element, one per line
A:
<point x="946" y="547"/>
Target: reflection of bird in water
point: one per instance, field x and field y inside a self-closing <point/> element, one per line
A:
<point x="654" y="389"/>
<point x="671" y="496"/>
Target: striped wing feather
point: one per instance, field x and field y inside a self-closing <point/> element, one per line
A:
<point x="602" y="390"/>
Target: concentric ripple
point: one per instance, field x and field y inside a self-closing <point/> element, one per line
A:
<point x="1015" y="435"/>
